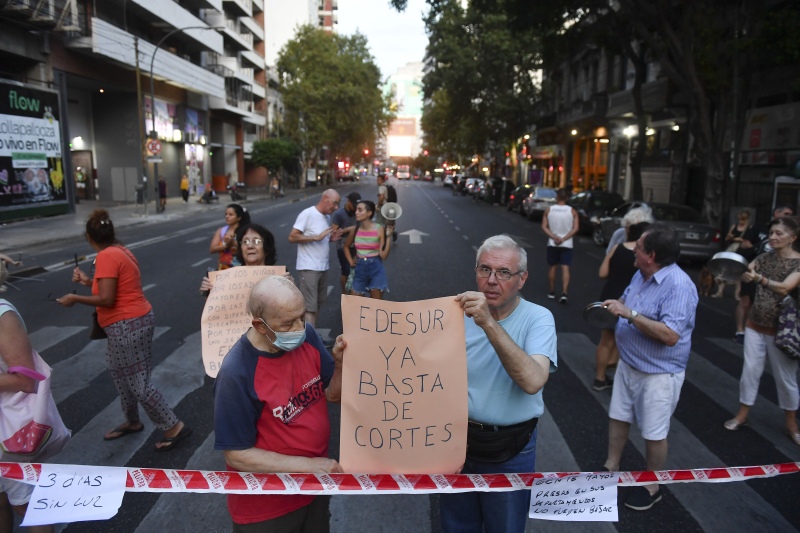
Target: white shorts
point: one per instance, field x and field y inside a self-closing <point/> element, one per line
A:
<point x="18" y="493"/>
<point x="647" y="399"/>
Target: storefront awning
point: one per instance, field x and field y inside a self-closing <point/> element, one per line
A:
<point x="548" y="152"/>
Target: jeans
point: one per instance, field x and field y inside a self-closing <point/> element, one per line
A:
<point x="370" y="274"/>
<point x="492" y="512"/>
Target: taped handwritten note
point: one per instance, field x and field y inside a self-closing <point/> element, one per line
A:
<point x="404" y="386"/>
<point x="578" y="498"/>
<point x="225" y="315"/>
<point x="75" y="493"/>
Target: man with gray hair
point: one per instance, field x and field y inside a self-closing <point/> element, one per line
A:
<point x="637" y="215"/>
<point x="312" y="232"/>
<point x="511" y="351"/>
<point x="270" y="408"/>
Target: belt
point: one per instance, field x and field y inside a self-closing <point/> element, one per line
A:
<point x="370" y="257"/>
<point x="489" y="427"/>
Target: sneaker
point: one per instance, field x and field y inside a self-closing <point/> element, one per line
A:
<point x="738" y="338"/>
<point x="551" y="295"/>
<point x="641" y="499"/>
<point x="563" y="299"/>
<point x="603" y="385"/>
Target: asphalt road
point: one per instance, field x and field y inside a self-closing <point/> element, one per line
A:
<point x="572" y="436"/>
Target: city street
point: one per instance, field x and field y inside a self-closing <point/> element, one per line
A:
<point x="572" y="434"/>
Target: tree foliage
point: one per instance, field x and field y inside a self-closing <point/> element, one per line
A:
<point x="332" y="92"/>
<point x="275" y="155"/>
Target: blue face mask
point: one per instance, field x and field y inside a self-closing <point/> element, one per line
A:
<point x="287" y="340"/>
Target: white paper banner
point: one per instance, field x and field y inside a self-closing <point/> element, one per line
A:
<point x="578" y="498"/>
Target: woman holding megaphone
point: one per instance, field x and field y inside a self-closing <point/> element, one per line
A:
<point x="372" y="247"/>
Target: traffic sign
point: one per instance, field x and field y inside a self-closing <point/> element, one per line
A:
<point x="154" y="146"/>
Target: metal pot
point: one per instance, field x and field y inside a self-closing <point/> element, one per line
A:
<point x="597" y="315"/>
<point x="728" y="266"/>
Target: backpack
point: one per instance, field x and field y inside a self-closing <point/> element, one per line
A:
<point x="391" y="193"/>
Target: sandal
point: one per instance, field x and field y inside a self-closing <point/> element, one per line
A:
<point x="169" y="443"/>
<point x="733" y="424"/>
<point x="794" y="436"/>
<point x="122" y="430"/>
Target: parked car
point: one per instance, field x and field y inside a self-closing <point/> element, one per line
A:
<point x="471" y="186"/>
<point x="517" y="196"/>
<point x="591" y="205"/>
<point x="698" y="239"/>
<point x="497" y="191"/>
<point x="539" y="199"/>
<point x="447" y="181"/>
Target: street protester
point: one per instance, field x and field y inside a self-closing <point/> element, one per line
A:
<point x="270" y="411"/>
<point x="733" y="240"/>
<point x="344" y="218"/>
<point x="312" y="233"/>
<point x="127" y="319"/>
<point x="776" y="275"/>
<point x="754" y="242"/>
<point x="560" y="223"/>
<point x="511" y="351"/>
<point x="654" y="339"/>
<point x="617" y="269"/>
<point x="372" y="247"/>
<point x="256" y="248"/>
<point x="224" y="240"/>
<point x="643" y="213"/>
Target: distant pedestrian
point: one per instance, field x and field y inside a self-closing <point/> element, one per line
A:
<point x="224" y="241"/>
<point x="275" y="188"/>
<point x="733" y="241"/>
<point x="127" y="318"/>
<point x="162" y="192"/>
<point x="372" y="247"/>
<point x="654" y="338"/>
<point x="344" y="219"/>
<point x="312" y="232"/>
<point x="185" y="188"/>
<point x="386" y="193"/>
<point x="560" y="223"/>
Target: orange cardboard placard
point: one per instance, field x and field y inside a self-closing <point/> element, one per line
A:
<point x="225" y="315"/>
<point x="404" y="387"/>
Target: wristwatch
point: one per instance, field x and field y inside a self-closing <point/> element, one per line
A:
<point x="634" y="314"/>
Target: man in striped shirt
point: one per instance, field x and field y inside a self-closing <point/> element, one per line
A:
<point x="654" y="338"/>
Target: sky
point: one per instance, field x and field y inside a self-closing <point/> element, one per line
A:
<point x="394" y="38"/>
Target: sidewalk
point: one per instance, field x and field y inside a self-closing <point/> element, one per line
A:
<point x="19" y="235"/>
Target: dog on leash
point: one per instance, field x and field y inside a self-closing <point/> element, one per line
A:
<point x="706" y="282"/>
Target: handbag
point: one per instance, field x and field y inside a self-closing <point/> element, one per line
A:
<point x="96" y="332"/>
<point x="788" y="336"/>
<point x="30" y="426"/>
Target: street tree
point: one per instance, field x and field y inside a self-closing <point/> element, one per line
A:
<point x="332" y="94"/>
<point x="276" y="155"/>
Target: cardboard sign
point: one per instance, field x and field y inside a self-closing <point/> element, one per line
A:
<point x="404" y="386"/>
<point x="75" y="493"/>
<point x="578" y="498"/>
<point x="225" y="315"/>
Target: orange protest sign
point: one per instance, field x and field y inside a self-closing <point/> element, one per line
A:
<point x="404" y="386"/>
<point x="225" y="315"/>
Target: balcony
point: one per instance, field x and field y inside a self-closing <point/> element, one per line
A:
<point x="258" y="5"/>
<point x="655" y="97"/>
<point x="170" y="15"/>
<point x="253" y="59"/>
<point x="253" y="26"/>
<point x="242" y="8"/>
<point x="231" y="31"/>
<point x="110" y="43"/>
<point x="593" y="108"/>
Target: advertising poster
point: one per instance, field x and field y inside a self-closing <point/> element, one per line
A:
<point x="31" y="166"/>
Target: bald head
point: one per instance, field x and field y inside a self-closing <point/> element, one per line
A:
<point x="329" y="202"/>
<point x="272" y="295"/>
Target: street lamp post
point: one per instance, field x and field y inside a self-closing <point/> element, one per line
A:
<point x="153" y="133"/>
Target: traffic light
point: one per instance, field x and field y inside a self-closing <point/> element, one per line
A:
<point x="425" y="153"/>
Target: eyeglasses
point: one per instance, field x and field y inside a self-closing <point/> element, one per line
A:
<point x="502" y="275"/>
<point x="254" y="242"/>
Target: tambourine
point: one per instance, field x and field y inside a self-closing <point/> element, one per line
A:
<point x="597" y="315"/>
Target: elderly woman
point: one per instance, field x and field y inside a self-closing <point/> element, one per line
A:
<point x="776" y="274"/>
<point x="637" y="215"/>
<point x="127" y="318"/>
<point x="256" y="247"/>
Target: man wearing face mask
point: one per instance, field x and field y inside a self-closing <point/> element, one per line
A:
<point x="270" y="408"/>
<point x="344" y="218"/>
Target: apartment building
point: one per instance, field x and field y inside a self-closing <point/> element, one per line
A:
<point x="190" y="73"/>
<point x="282" y="18"/>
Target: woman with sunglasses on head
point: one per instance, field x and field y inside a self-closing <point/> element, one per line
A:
<point x="224" y="241"/>
<point x="127" y="318"/>
<point x="372" y="248"/>
<point x="256" y="247"/>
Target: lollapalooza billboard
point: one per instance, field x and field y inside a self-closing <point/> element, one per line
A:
<point x="31" y="165"/>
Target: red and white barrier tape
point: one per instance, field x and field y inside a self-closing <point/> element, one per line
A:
<point x="204" y="481"/>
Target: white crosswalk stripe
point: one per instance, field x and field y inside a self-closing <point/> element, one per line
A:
<point x="181" y="373"/>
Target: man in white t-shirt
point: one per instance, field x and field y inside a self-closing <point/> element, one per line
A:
<point x="312" y="233"/>
<point x="560" y="222"/>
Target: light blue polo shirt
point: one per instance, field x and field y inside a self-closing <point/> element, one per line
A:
<point x="494" y="398"/>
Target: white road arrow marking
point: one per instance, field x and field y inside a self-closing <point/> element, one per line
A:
<point x="414" y="236"/>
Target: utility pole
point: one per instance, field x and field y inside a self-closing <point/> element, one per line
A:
<point x="139" y="105"/>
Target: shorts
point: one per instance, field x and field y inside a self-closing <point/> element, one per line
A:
<point x="313" y="284"/>
<point x="559" y="255"/>
<point x="647" y="399"/>
<point x="369" y="275"/>
<point x="343" y="264"/>
<point x="749" y="290"/>
<point x="18" y="493"/>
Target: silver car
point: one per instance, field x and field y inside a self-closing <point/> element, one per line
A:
<point x="698" y="239"/>
<point x="537" y="201"/>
